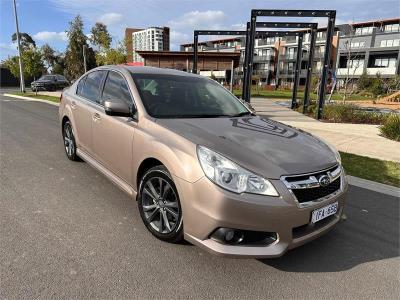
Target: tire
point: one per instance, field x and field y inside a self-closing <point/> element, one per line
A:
<point x="162" y="215"/>
<point x="69" y="142"/>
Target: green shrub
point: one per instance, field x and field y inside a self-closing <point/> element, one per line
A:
<point x="350" y="113"/>
<point x="377" y="87"/>
<point x="364" y="82"/>
<point x="391" y="127"/>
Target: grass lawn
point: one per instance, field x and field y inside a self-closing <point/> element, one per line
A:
<point x="382" y="171"/>
<point x="287" y="94"/>
<point x="32" y="95"/>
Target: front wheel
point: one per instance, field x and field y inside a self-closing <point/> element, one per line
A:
<point x="159" y="205"/>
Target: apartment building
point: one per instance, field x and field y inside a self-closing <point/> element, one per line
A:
<point x="150" y="39"/>
<point x="374" y="47"/>
<point x="369" y="47"/>
<point x="274" y="57"/>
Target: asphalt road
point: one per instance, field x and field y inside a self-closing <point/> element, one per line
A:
<point x="67" y="232"/>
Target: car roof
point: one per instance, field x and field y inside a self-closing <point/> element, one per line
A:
<point x="149" y="70"/>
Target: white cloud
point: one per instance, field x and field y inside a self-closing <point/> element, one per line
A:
<point x="209" y="19"/>
<point x="238" y="26"/>
<point x="8" y="47"/>
<point x="110" y="18"/>
<point x="7" y="50"/>
<point x="46" y="36"/>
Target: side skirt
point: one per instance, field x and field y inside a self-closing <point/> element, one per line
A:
<point x="123" y="185"/>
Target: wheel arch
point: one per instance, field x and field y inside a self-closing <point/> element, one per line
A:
<point x="145" y="165"/>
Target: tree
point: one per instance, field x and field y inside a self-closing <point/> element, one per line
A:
<point x="32" y="60"/>
<point x="111" y="56"/>
<point x="353" y="62"/>
<point x="100" y="36"/>
<point x="49" y="56"/>
<point x="59" y="65"/>
<point x="74" y="53"/>
<point x="364" y="82"/>
<point x="25" y="39"/>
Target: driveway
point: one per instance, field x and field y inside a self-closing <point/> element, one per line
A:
<point x="68" y="232"/>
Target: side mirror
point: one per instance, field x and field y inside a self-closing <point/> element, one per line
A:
<point x="117" y="108"/>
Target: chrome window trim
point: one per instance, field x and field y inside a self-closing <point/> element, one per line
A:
<point x="312" y="182"/>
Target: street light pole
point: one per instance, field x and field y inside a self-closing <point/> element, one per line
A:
<point x="21" y="67"/>
<point x="84" y="56"/>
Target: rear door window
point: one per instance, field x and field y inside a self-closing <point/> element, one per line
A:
<point x="91" y="88"/>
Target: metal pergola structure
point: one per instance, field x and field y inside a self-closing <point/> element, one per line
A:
<point x="296" y="25"/>
<point x="258" y="34"/>
<point x="329" y="14"/>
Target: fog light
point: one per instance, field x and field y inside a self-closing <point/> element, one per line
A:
<point x="227" y="236"/>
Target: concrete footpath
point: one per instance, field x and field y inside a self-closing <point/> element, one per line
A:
<point x="361" y="139"/>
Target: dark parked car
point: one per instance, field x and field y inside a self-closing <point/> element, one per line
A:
<point x="50" y="83"/>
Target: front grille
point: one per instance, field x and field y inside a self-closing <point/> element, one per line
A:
<point x="311" y="194"/>
<point x="308" y="188"/>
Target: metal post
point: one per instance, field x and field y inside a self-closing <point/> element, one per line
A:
<point x="249" y="72"/>
<point x="84" y="57"/>
<point x="246" y="58"/>
<point x="307" y="87"/>
<point x="195" y="52"/>
<point x="21" y="66"/>
<point x="324" y="75"/>
<point x="232" y="74"/>
<point x="278" y="60"/>
<point x="297" y="70"/>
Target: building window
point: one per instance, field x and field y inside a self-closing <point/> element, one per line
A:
<point x="388" y="62"/>
<point x="357" y="45"/>
<point x="392" y="28"/>
<point x="290" y="53"/>
<point x="390" y="43"/>
<point x="356" y="63"/>
<point x="364" y="30"/>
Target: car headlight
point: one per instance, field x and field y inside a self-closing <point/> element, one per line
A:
<point x="230" y="176"/>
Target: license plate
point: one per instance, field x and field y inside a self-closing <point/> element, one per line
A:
<point x="322" y="213"/>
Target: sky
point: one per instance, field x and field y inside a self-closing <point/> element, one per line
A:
<point x="47" y="20"/>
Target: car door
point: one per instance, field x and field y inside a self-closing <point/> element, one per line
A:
<point x="113" y="136"/>
<point x="85" y="105"/>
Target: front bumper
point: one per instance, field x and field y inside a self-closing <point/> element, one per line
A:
<point x="207" y="207"/>
<point x="41" y="87"/>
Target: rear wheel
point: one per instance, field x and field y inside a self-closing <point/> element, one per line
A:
<point x="159" y="205"/>
<point x="69" y="142"/>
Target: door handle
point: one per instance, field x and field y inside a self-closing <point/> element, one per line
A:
<point x="96" y="117"/>
<point x="73" y="104"/>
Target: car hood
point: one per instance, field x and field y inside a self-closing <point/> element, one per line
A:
<point x="266" y="147"/>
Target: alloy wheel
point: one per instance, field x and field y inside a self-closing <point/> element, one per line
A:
<point x="69" y="140"/>
<point x="160" y="205"/>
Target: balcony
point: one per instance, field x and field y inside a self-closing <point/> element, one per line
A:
<point x="382" y="71"/>
<point x="263" y="58"/>
<point x="343" y="72"/>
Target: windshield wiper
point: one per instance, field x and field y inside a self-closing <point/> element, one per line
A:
<point x="245" y="113"/>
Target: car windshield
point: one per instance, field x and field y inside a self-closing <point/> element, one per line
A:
<point x="172" y="96"/>
<point x="47" y="77"/>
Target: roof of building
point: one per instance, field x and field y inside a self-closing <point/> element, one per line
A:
<point x="189" y="53"/>
<point x="373" y="22"/>
<point x="231" y="39"/>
